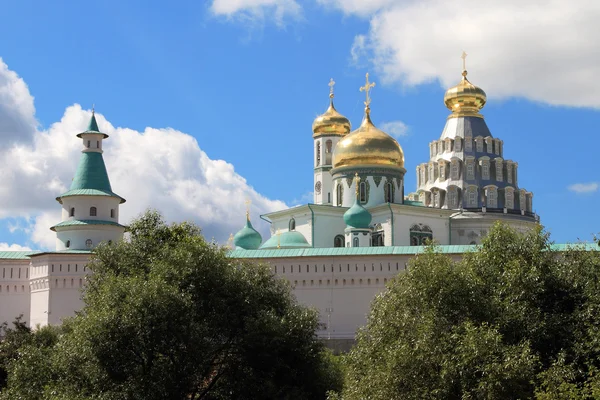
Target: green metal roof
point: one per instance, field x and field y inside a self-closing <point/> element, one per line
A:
<point x="81" y="222"/>
<point x="413" y="203"/>
<point x="39" y="253"/>
<point x="381" y="250"/>
<point x="15" y="255"/>
<point x="93" y="127"/>
<point x="357" y="216"/>
<point x="89" y="192"/>
<point x="91" y="175"/>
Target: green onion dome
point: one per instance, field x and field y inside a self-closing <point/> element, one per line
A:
<point x="247" y="238"/>
<point x="357" y="216"/>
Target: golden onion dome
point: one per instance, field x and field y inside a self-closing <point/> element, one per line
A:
<point x="465" y="99"/>
<point x="368" y="146"/>
<point x="331" y="122"/>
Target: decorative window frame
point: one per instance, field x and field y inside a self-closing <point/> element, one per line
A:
<point x="479" y="144"/>
<point x="489" y="144"/>
<point x="509" y="172"/>
<point x="468" y="144"/>
<point x="318" y="153"/>
<point x="472" y="194"/>
<point x="470" y="168"/>
<point x="457" y="144"/>
<point x="509" y="198"/>
<point x="452" y="197"/>
<point x="491" y="196"/>
<point x="484" y="163"/>
<point x="499" y="162"/>
<point x="455" y="169"/>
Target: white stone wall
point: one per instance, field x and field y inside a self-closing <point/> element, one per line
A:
<point x="82" y="205"/>
<point x="14" y="290"/>
<point x="78" y="236"/>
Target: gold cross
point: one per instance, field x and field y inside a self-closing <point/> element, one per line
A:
<point x="357" y="180"/>
<point x="464" y="58"/>
<point x="331" y="85"/>
<point x="248" y="202"/>
<point x="278" y="239"/>
<point x="230" y="240"/>
<point x="93" y="107"/>
<point x="367" y="88"/>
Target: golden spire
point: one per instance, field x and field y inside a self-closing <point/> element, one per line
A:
<point x="357" y="180"/>
<point x="367" y="88"/>
<point x="248" y="202"/>
<point x="464" y="58"/>
<point x="331" y="84"/>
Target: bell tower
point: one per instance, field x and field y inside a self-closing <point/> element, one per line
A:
<point x="328" y="129"/>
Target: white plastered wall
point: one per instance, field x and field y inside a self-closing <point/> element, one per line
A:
<point x="14" y="290"/>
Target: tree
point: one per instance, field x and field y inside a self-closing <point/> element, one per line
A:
<point x="169" y="316"/>
<point x="512" y="320"/>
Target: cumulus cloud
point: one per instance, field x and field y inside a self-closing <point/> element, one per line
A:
<point x="13" y="247"/>
<point x="394" y="128"/>
<point x="581" y="188"/>
<point x="17" y="121"/>
<point x="257" y="11"/>
<point x="157" y="168"/>
<point x="541" y="50"/>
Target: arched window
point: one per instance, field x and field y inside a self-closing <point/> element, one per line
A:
<point x="318" y="153"/>
<point x="112" y="212"/>
<point x="338" y="241"/>
<point x="339" y="194"/>
<point x="72" y="212"/>
<point x="68" y="244"/>
<point x="89" y="142"/>
<point x="292" y="225"/>
<point x="389" y="192"/>
<point x="414" y="241"/>
<point x="363" y="192"/>
<point x="472" y="197"/>
<point x="355" y="242"/>
<point x="93" y="211"/>
<point x="328" y="145"/>
<point x="88" y="243"/>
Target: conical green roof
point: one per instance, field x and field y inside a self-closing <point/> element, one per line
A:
<point x="93" y="127"/>
<point x="357" y="216"/>
<point x="247" y="238"/>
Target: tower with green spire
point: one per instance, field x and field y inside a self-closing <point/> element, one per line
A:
<point x="90" y="209"/>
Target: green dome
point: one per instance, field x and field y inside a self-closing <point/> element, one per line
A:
<point x="286" y="240"/>
<point x="247" y="238"/>
<point x="357" y="216"/>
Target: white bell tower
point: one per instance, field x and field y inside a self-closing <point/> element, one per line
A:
<point x="328" y="129"/>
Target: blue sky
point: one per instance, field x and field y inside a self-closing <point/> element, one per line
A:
<point x="246" y="78"/>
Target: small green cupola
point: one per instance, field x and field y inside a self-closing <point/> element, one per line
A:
<point x="247" y="238"/>
<point x="357" y="216"/>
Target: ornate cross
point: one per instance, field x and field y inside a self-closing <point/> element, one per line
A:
<point x="357" y="180"/>
<point x="248" y="202"/>
<point x="367" y="88"/>
<point x="331" y="85"/>
<point x="464" y="58"/>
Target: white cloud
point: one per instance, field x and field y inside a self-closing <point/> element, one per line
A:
<point x="17" y="121"/>
<point x="13" y="247"/>
<point x="157" y="168"/>
<point x="394" y="128"/>
<point x="581" y="188"/>
<point x="257" y="11"/>
<point x="542" y="50"/>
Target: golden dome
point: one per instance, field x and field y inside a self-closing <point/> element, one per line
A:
<point x="465" y="99"/>
<point x="368" y="146"/>
<point x="332" y="122"/>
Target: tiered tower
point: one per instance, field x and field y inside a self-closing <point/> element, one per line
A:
<point x="90" y="209"/>
<point x="467" y="169"/>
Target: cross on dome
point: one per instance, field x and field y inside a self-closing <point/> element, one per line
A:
<point x="357" y="180"/>
<point x="464" y="58"/>
<point x="248" y="202"/>
<point x="367" y="88"/>
<point x="331" y="84"/>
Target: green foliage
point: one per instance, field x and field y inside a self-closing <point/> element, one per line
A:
<point x="169" y="316"/>
<point x="512" y="320"/>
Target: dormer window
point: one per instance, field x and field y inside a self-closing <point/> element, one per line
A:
<point x="468" y="144"/>
<point x="93" y="211"/>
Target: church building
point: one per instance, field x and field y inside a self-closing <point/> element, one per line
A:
<point x="339" y="251"/>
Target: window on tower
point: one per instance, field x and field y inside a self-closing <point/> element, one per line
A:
<point x="363" y="192"/>
<point x="292" y="225"/>
<point x="339" y="193"/>
<point x="318" y="150"/>
<point x="89" y="143"/>
<point x="355" y="242"/>
<point x="88" y="243"/>
<point x="338" y="241"/>
<point x="68" y="244"/>
<point x="389" y="192"/>
<point x="112" y="213"/>
<point x="93" y="211"/>
<point x="97" y="144"/>
<point x="72" y="212"/>
<point x="328" y="145"/>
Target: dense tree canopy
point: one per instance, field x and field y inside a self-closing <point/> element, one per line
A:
<point x="512" y="320"/>
<point x="168" y="316"/>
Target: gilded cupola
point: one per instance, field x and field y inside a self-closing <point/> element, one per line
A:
<point x="465" y="99"/>
<point x="331" y="122"/>
<point x="367" y="145"/>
